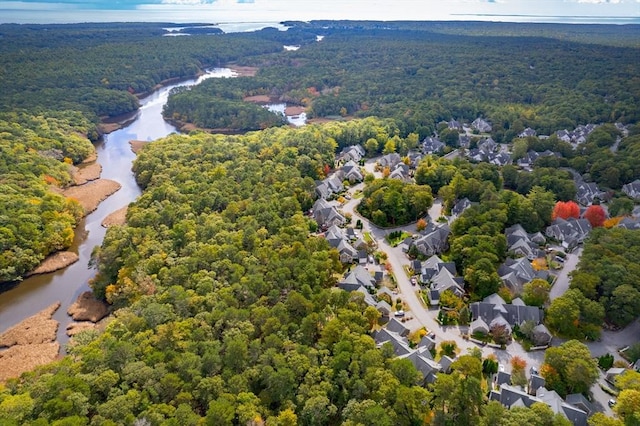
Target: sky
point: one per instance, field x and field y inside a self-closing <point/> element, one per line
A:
<point x="216" y="11"/>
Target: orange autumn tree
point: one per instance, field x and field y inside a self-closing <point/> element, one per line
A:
<point x="595" y="215"/>
<point x="565" y="210"/>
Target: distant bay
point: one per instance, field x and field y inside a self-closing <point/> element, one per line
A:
<point x="234" y="20"/>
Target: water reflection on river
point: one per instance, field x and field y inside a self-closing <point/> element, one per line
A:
<point x="115" y="155"/>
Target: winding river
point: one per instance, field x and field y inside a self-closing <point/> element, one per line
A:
<point x="114" y="154"/>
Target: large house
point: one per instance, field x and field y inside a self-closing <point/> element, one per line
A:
<point x="632" y="189"/>
<point x="515" y="273"/>
<point x="352" y="153"/>
<point x="512" y="396"/>
<point x="481" y="125"/>
<point x="433" y="240"/>
<point x="523" y="244"/>
<point x="570" y="232"/>
<point x="326" y="215"/>
<point x="438" y="277"/>
<point x="494" y="312"/>
<point x="587" y="193"/>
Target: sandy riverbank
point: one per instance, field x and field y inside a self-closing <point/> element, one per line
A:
<point x="91" y="194"/>
<point x="86" y="173"/>
<point x="55" y="262"/>
<point x="30" y="344"/>
<point x="88" y="308"/>
<point x="119" y="217"/>
<point x="243" y="71"/>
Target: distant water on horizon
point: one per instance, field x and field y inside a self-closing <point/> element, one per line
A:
<point x="59" y="13"/>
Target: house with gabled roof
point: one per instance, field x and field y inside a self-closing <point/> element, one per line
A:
<point x="397" y="327"/>
<point x="481" y="125"/>
<point x="587" y="193"/>
<point x="400" y="344"/>
<point x="632" y="189"/>
<point x="351" y="172"/>
<point x="512" y="396"/>
<point x="432" y="145"/>
<point x="460" y="206"/>
<point x="401" y="172"/>
<point x="570" y="232"/>
<point x="495" y="312"/>
<point x="434" y="239"/>
<point x="454" y="125"/>
<point x="326" y="215"/>
<point x="352" y="153"/>
<point x="520" y="243"/>
<point x="527" y="132"/>
<point x="515" y="273"/>
<point x="488" y="145"/>
<point x="423" y="362"/>
<point x="389" y="160"/>
<point x="359" y="276"/>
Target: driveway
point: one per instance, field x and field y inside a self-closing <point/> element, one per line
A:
<point x="561" y="284"/>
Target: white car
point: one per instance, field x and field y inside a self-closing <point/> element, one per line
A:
<point x="399" y="313"/>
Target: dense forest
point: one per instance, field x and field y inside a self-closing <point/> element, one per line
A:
<point x="225" y="305"/>
<point x="420" y="77"/>
<point x="36" y="153"/>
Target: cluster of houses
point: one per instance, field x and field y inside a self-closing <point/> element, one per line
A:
<point x="576" y="408"/>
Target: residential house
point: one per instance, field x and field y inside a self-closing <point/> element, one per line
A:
<point x="502" y="378"/>
<point x="515" y="273"/>
<point x="389" y="160"/>
<point x="632" y="189"/>
<point x="329" y="187"/>
<point x="431" y="145"/>
<point x="326" y="215"/>
<point x="495" y="312"/>
<point x="488" y="145"/>
<point x="459" y="207"/>
<point x="464" y="141"/>
<point x="423" y="362"/>
<point x="629" y="223"/>
<point x="352" y="153"/>
<point x="527" y="132"/>
<point x="358" y="276"/>
<point x="351" y="172"/>
<point x="397" y="327"/>
<point x="512" y="396"/>
<point x="578" y="400"/>
<point x="454" y="125"/>
<point x="400" y="344"/>
<point x="570" y="232"/>
<point x="612" y="373"/>
<point x="442" y="281"/>
<point x="530" y="158"/>
<point x="433" y="240"/>
<point x="587" y="193"/>
<point x="384" y="308"/>
<point x="498" y="158"/>
<point x="536" y="382"/>
<point x="401" y="172"/>
<point x="481" y="125"/>
<point x="520" y="243"/>
<point x="541" y="336"/>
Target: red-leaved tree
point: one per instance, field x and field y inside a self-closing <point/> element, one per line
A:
<point x="595" y="215"/>
<point x="565" y="210"/>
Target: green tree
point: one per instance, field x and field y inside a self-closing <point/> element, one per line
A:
<point x="576" y="369"/>
<point x="536" y="292"/>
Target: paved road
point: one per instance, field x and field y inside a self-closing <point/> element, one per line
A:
<point x="562" y="281"/>
<point x="416" y="309"/>
<point x="422" y="316"/>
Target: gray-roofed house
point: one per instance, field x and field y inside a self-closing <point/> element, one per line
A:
<point x="578" y="400"/>
<point x="632" y="189"/>
<point x="479" y="326"/>
<point x="612" y="373"/>
<point x="527" y="132"/>
<point x="360" y="276"/>
<point x="384" y="308"/>
<point x="495" y="312"/>
<point x="541" y="336"/>
<point x="481" y="125"/>
<point x="587" y="193"/>
<point x="433" y="241"/>
<point x="515" y="273"/>
<point x="446" y="362"/>
<point x="512" y="396"/>
<point x="503" y="378"/>
<point x="352" y="153"/>
<point x="389" y="160"/>
<point x="326" y="215"/>
<point x="397" y="327"/>
<point x="570" y="232"/>
<point x="431" y="145"/>
<point x="520" y="243"/>
<point x="400" y="344"/>
<point x="424" y="363"/>
<point x="351" y="172"/>
<point x="460" y="206"/>
<point x="536" y="382"/>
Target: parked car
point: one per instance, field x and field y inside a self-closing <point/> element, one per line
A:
<point x="414" y="281"/>
<point x="533" y="370"/>
<point x="612" y="402"/>
<point x="399" y="313"/>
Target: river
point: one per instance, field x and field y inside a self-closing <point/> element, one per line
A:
<point x="114" y="154"/>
